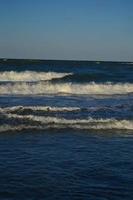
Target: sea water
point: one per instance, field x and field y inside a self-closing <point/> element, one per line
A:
<point x="66" y="130"/>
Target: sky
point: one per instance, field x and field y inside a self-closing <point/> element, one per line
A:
<point x="67" y="29"/>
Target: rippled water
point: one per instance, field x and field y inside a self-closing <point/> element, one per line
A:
<point x="65" y="164"/>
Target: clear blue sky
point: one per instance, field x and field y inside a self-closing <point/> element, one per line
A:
<point x="67" y="29"/>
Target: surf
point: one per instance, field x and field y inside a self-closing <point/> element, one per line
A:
<point x="27" y="76"/>
<point x="42" y="122"/>
<point x="42" y="88"/>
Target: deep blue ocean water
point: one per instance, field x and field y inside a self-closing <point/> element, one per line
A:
<point x="66" y="130"/>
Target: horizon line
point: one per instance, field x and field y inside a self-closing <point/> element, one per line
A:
<point x="69" y="60"/>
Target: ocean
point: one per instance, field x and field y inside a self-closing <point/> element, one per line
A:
<point x="66" y="130"/>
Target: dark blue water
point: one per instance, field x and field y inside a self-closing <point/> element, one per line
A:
<point x="66" y="130"/>
<point x="66" y="165"/>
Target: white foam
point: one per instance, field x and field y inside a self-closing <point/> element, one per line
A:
<point x="68" y="88"/>
<point x="30" y="76"/>
<point x="90" y="123"/>
<point x="5" y="128"/>
<point x="39" y="108"/>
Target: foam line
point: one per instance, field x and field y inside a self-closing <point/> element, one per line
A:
<point x="90" y="123"/>
<point x="67" y="88"/>
<point x="19" y="109"/>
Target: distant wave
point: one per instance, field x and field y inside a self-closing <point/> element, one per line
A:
<point x="40" y="122"/>
<point x="67" y="88"/>
<point x="28" y="76"/>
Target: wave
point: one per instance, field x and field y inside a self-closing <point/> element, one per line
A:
<point x="6" y="127"/>
<point x="26" y="109"/>
<point x="40" y="122"/>
<point x="30" y="76"/>
<point x="60" y="77"/>
<point x="67" y="88"/>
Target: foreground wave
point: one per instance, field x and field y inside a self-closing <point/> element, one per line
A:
<point x="42" y="122"/>
<point x="67" y="88"/>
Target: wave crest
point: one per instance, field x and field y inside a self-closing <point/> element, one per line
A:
<point x="22" y="109"/>
<point x="67" y="88"/>
<point x="28" y="76"/>
<point x="90" y="123"/>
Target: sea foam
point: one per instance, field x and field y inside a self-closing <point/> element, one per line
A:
<point x="53" y="122"/>
<point x="30" y="76"/>
<point x="42" y="122"/>
<point x="67" y="88"/>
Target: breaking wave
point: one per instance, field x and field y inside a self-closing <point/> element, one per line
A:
<point x="67" y="88"/>
<point x="23" y="109"/>
<point x="40" y="122"/>
<point x="30" y="76"/>
<point x="24" y="117"/>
